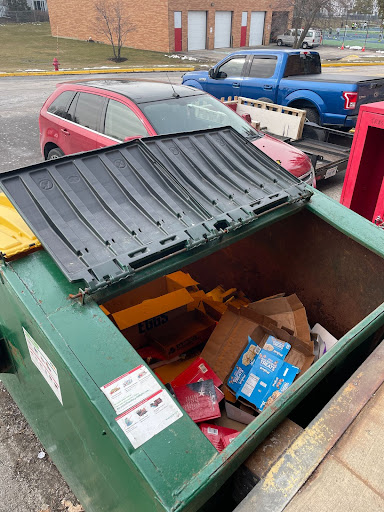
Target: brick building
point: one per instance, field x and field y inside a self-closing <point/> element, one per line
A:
<point x="180" y="25"/>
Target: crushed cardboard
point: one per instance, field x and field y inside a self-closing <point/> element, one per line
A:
<point x="288" y="312"/>
<point x="229" y="338"/>
<point x="241" y="414"/>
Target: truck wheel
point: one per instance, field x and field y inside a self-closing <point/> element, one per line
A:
<point x="54" y="154"/>
<point x="279" y="42"/>
<point x="312" y="115"/>
<point x="304" y="45"/>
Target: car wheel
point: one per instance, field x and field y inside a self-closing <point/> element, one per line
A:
<point x="279" y="42"/>
<point x="304" y="45"/>
<point x="312" y="115"/>
<point x="54" y="154"/>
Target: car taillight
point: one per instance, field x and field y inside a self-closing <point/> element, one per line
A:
<point x="350" y="100"/>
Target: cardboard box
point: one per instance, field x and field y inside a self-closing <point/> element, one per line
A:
<point x="288" y="313"/>
<point x="260" y="378"/>
<point x="230" y="337"/>
<point x="269" y="377"/>
<point x="241" y="414"/>
<point x="244" y="364"/>
<point x="169" y="371"/>
<point x="144" y="309"/>
<point x="197" y="371"/>
<point x="183" y="333"/>
<point x="301" y="353"/>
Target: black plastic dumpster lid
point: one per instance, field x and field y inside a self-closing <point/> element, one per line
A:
<point x="104" y="214"/>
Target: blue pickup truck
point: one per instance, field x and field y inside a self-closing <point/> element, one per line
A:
<point x="293" y="78"/>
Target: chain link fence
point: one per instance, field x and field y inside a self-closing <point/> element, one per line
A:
<point x="31" y="16"/>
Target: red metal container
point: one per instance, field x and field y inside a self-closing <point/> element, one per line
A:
<point x="363" y="190"/>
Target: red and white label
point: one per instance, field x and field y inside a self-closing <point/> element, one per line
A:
<point x="148" y="417"/>
<point x="131" y="388"/>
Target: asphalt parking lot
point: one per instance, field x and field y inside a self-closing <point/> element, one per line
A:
<point x="27" y="483"/>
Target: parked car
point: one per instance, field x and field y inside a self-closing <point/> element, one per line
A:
<point x="311" y="40"/>
<point x="293" y="78"/>
<point x="93" y="114"/>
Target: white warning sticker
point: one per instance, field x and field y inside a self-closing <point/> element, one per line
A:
<point x="149" y="417"/>
<point x="45" y="366"/>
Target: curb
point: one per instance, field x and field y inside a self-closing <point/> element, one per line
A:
<point x="94" y="71"/>
<point x="345" y="64"/>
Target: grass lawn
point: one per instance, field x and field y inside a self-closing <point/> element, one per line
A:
<point x="31" y="47"/>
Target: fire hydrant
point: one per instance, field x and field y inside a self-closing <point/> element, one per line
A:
<point x="56" y="64"/>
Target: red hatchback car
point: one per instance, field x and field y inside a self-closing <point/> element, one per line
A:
<point x="88" y="115"/>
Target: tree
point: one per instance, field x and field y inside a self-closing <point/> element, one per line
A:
<point x="17" y="5"/>
<point x="304" y="14"/>
<point x="380" y="8"/>
<point x="114" y="24"/>
<point x="363" y="6"/>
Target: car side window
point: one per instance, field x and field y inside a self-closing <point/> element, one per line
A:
<point x="233" y="67"/>
<point x="70" y="115"/>
<point x="263" y="67"/>
<point x="60" y="104"/>
<point x="121" y="122"/>
<point x="88" y="110"/>
<point x="287" y="33"/>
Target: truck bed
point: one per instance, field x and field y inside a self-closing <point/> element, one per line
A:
<point x="333" y="78"/>
<point x="328" y="159"/>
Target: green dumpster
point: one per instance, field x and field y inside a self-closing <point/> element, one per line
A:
<point x="109" y="221"/>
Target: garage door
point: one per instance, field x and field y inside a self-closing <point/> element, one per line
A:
<point x="256" y="30"/>
<point x="223" y="26"/>
<point x="197" y="30"/>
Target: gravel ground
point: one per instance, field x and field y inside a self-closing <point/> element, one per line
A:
<point x="22" y="472"/>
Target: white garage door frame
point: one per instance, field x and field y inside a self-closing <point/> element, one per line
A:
<point x="256" y="29"/>
<point x="197" y="30"/>
<point x="223" y="29"/>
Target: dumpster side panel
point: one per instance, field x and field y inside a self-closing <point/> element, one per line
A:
<point x="76" y="436"/>
<point x="91" y="451"/>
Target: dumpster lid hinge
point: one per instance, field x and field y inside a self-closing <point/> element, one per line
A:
<point x="80" y="295"/>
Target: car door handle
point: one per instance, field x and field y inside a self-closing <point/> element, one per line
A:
<point x="236" y="84"/>
<point x="267" y="87"/>
<point x="65" y="131"/>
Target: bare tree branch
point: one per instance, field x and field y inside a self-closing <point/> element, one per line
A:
<point x="113" y="24"/>
<point x="304" y="14"/>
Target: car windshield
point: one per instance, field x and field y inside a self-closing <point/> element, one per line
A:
<point x="192" y="113"/>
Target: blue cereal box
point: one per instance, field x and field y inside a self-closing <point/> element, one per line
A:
<point x="284" y="378"/>
<point x="277" y="347"/>
<point x="260" y="378"/>
<point x="243" y="366"/>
